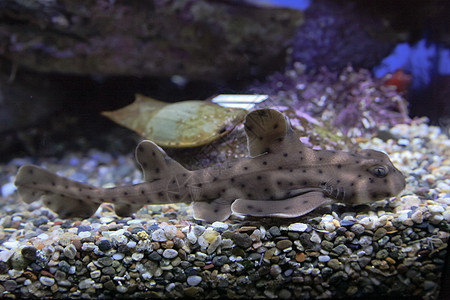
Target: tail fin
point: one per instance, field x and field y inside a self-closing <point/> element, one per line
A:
<point x="61" y="195"/>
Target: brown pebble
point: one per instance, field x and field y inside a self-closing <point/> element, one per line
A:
<point x="155" y="245"/>
<point x="300" y="257"/>
<point x="77" y="244"/>
<point x="29" y="275"/>
<point x="391" y="261"/>
<point x="284" y="244"/>
<point x="167" y="244"/>
<point x="180" y="234"/>
<point x="47" y="273"/>
<point x="246" y="228"/>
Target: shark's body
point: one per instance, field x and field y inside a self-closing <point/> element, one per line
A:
<point x="282" y="178"/>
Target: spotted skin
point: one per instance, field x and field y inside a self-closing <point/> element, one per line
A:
<point x="281" y="178"/>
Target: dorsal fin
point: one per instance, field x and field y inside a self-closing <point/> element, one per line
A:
<point x="268" y="130"/>
<point x="155" y="163"/>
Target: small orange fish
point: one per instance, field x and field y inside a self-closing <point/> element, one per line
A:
<point x="399" y="79"/>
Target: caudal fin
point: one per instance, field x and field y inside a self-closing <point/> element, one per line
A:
<point x="61" y="195"/>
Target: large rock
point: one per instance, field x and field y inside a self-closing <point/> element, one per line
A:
<point x="199" y="39"/>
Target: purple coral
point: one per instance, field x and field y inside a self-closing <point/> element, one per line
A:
<point x="351" y="100"/>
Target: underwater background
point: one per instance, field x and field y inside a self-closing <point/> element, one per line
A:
<point x="81" y="84"/>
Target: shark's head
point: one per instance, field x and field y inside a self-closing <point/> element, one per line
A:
<point x="367" y="176"/>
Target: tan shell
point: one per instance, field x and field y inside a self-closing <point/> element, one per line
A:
<point x="177" y="125"/>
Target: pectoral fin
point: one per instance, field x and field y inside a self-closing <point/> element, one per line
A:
<point x="126" y="210"/>
<point x="288" y="208"/>
<point x="211" y="211"/>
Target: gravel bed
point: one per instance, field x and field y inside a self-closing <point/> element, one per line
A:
<point x="395" y="248"/>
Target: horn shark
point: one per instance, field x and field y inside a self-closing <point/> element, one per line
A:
<point x="281" y="178"/>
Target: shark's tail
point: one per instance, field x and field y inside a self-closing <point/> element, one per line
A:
<point x="62" y="195"/>
<point x="69" y="198"/>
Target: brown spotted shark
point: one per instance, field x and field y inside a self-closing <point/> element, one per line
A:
<point x="281" y="178"/>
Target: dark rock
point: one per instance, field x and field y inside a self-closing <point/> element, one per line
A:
<point x="104" y="245"/>
<point x="242" y="240"/>
<point x="275" y="231"/>
<point x="155" y="256"/>
<point x="40" y="221"/>
<point x="219" y="260"/>
<point x="196" y="39"/>
<point x="29" y="252"/>
<point x="4" y="267"/>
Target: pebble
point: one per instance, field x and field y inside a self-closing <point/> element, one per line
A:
<point x="118" y="256"/>
<point x="170" y="253"/>
<point x="47" y="281"/>
<point x="70" y="251"/>
<point x="324" y="258"/>
<point x="436" y="209"/>
<point x="104" y="245"/>
<point x="85" y="284"/>
<point x="284" y="244"/>
<point x="170" y="231"/>
<point x="358" y="229"/>
<point x="194" y="280"/>
<point x="340" y="249"/>
<point x="379" y="233"/>
<point x="300" y="257"/>
<point x="334" y="263"/>
<point x="300" y="227"/>
<point x="242" y="240"/>
<point x="136" y="256"/>
<point x="29" y="252"/>
<point x="220" y="226"/>
<point x="315" y="238"/>
<point x="105" y="261"/>
<point x="159" y="236"/>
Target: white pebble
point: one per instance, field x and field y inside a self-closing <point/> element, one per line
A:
<point x="315" y="238"/>
<point x="192" y="238"/>
<point x="324" y="258"/>
<point x="202" y="242"/>
<point x="84" y="234"/>
<point x="194" y="280"/>
<point x="47" y="281"/>
<point x="436" y="219"/>
<point x="220" y="226"/>
<point x="446" y="215"/>
<point x="198" y="230"/>
<point x="136" y="256"/>
<point x="369" y="222"/>
<point x="170" y="231"/>
<point x="118" y="256"/>
<point x="43" y="236"/>
<point x="70" y="251"/>
<point x="88" y="246"/>
<point x="170" y="253"/>
<point x="96" y="274"/>
<point x="436" y="209"/>
<point x="8" y="189"/>
<point x="300" y="227"/>
<point x="85" y="284"/>
<point x="131" y="244"/>
<point x="417" y="217"/>
<point x="159" y="236"/>
<point x="11" y="244"/>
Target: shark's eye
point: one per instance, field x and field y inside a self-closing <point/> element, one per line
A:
<point x="379" y="171"/>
